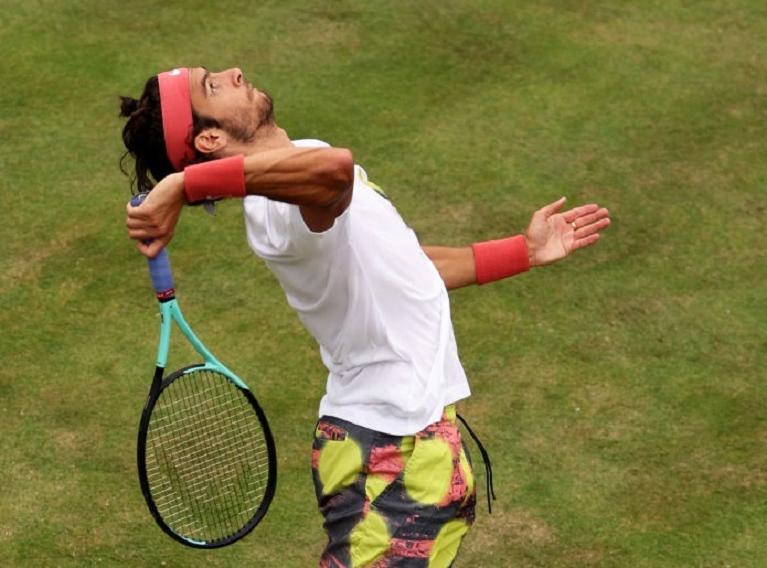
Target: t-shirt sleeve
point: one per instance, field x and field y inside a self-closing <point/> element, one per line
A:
<point x="277" y="231"/>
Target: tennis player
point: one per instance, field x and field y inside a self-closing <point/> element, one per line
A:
<point x="392" y="479"/>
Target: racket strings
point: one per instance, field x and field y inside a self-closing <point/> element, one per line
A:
<point x="207" y="460"/>
<point x="196" y="467"/>
<point x="204" y="464"/>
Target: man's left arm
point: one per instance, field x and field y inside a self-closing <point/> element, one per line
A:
<point x="550" y="236"/>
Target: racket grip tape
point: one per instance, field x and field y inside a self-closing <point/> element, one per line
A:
<point x="159" y="266"/>
<point x="161" y="275"/>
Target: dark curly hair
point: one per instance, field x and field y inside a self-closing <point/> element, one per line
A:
<point x="144" y="141"/>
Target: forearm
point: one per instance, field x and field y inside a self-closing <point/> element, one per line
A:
<point x="318" y="180"/>
<point x="480" y="263"/>
<point x="315" y="178"/>
<point x="310" y="177"/>
<point x="454" y="264"/>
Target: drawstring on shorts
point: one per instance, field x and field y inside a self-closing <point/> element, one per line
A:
<point x="486" y="460"/>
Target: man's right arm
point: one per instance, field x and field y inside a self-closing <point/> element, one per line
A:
<point x="318" y="180"/>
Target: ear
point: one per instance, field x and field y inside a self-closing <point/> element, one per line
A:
<point x="211" y="140"/>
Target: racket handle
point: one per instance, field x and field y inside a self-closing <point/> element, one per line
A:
<point x="162" y="277"/>
<point x="159" y="266"/>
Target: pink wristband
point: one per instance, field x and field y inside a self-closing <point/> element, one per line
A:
<point x="216" y="179"/>
<point x="495" y="260"/>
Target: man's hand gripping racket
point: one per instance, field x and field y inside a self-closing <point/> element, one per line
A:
<point x="206" y="457"/>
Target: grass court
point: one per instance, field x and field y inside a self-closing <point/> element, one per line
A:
<point x="621" y="393"/>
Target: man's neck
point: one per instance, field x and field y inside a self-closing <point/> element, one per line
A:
<point x="268" y="138"/>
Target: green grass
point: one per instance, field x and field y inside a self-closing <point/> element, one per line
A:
<point x="621" y="393"/>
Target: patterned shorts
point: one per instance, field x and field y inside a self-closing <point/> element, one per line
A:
<point x="392" y="501"/>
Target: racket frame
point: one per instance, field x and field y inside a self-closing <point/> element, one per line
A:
<point x="170" y="312"/>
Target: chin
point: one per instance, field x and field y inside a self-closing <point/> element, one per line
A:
<point x="267" y="110"/>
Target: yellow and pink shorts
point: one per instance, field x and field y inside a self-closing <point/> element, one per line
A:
<point x="404" y="501"/>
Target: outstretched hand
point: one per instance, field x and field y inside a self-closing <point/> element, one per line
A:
<point x="552" y="236"/>
<point x="152" y="223"/>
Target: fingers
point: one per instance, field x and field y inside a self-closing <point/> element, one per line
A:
<point x="145" y="233"/>
<point x="592" y="228"/>
<point x="139" y="225"/>
<point x="150" y="239"/>
<point x="151" y="249"/>
<point x="143" y="230"/>
<point x="585" y="242"/>
<point x="551" y="208"/>
<point x="577" y="212"/>
<point x="151" y="224"/>
<point x="143" y="226"/>
<point x="137" y="212"/>
<point x="588" y="235"/>
<point x="143" y="248"/>
<point x="590" y="218"/>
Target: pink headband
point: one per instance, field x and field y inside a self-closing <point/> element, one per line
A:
<point x="176" y="105"/>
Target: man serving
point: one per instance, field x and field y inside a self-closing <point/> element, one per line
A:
<point x="392" y="479"/>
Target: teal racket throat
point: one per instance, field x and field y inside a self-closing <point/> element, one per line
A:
<point x="170" y="312"/>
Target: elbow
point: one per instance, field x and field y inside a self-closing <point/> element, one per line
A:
<point x="339" y="174"/>
<point x="343" y="169"/>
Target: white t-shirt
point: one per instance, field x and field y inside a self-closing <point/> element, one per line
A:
<point x="374" y="302"/>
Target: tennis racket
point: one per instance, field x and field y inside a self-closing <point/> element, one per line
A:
<point x="206" y="458"/>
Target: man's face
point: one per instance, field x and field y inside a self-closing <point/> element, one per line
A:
<point x="226" y="97"/>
